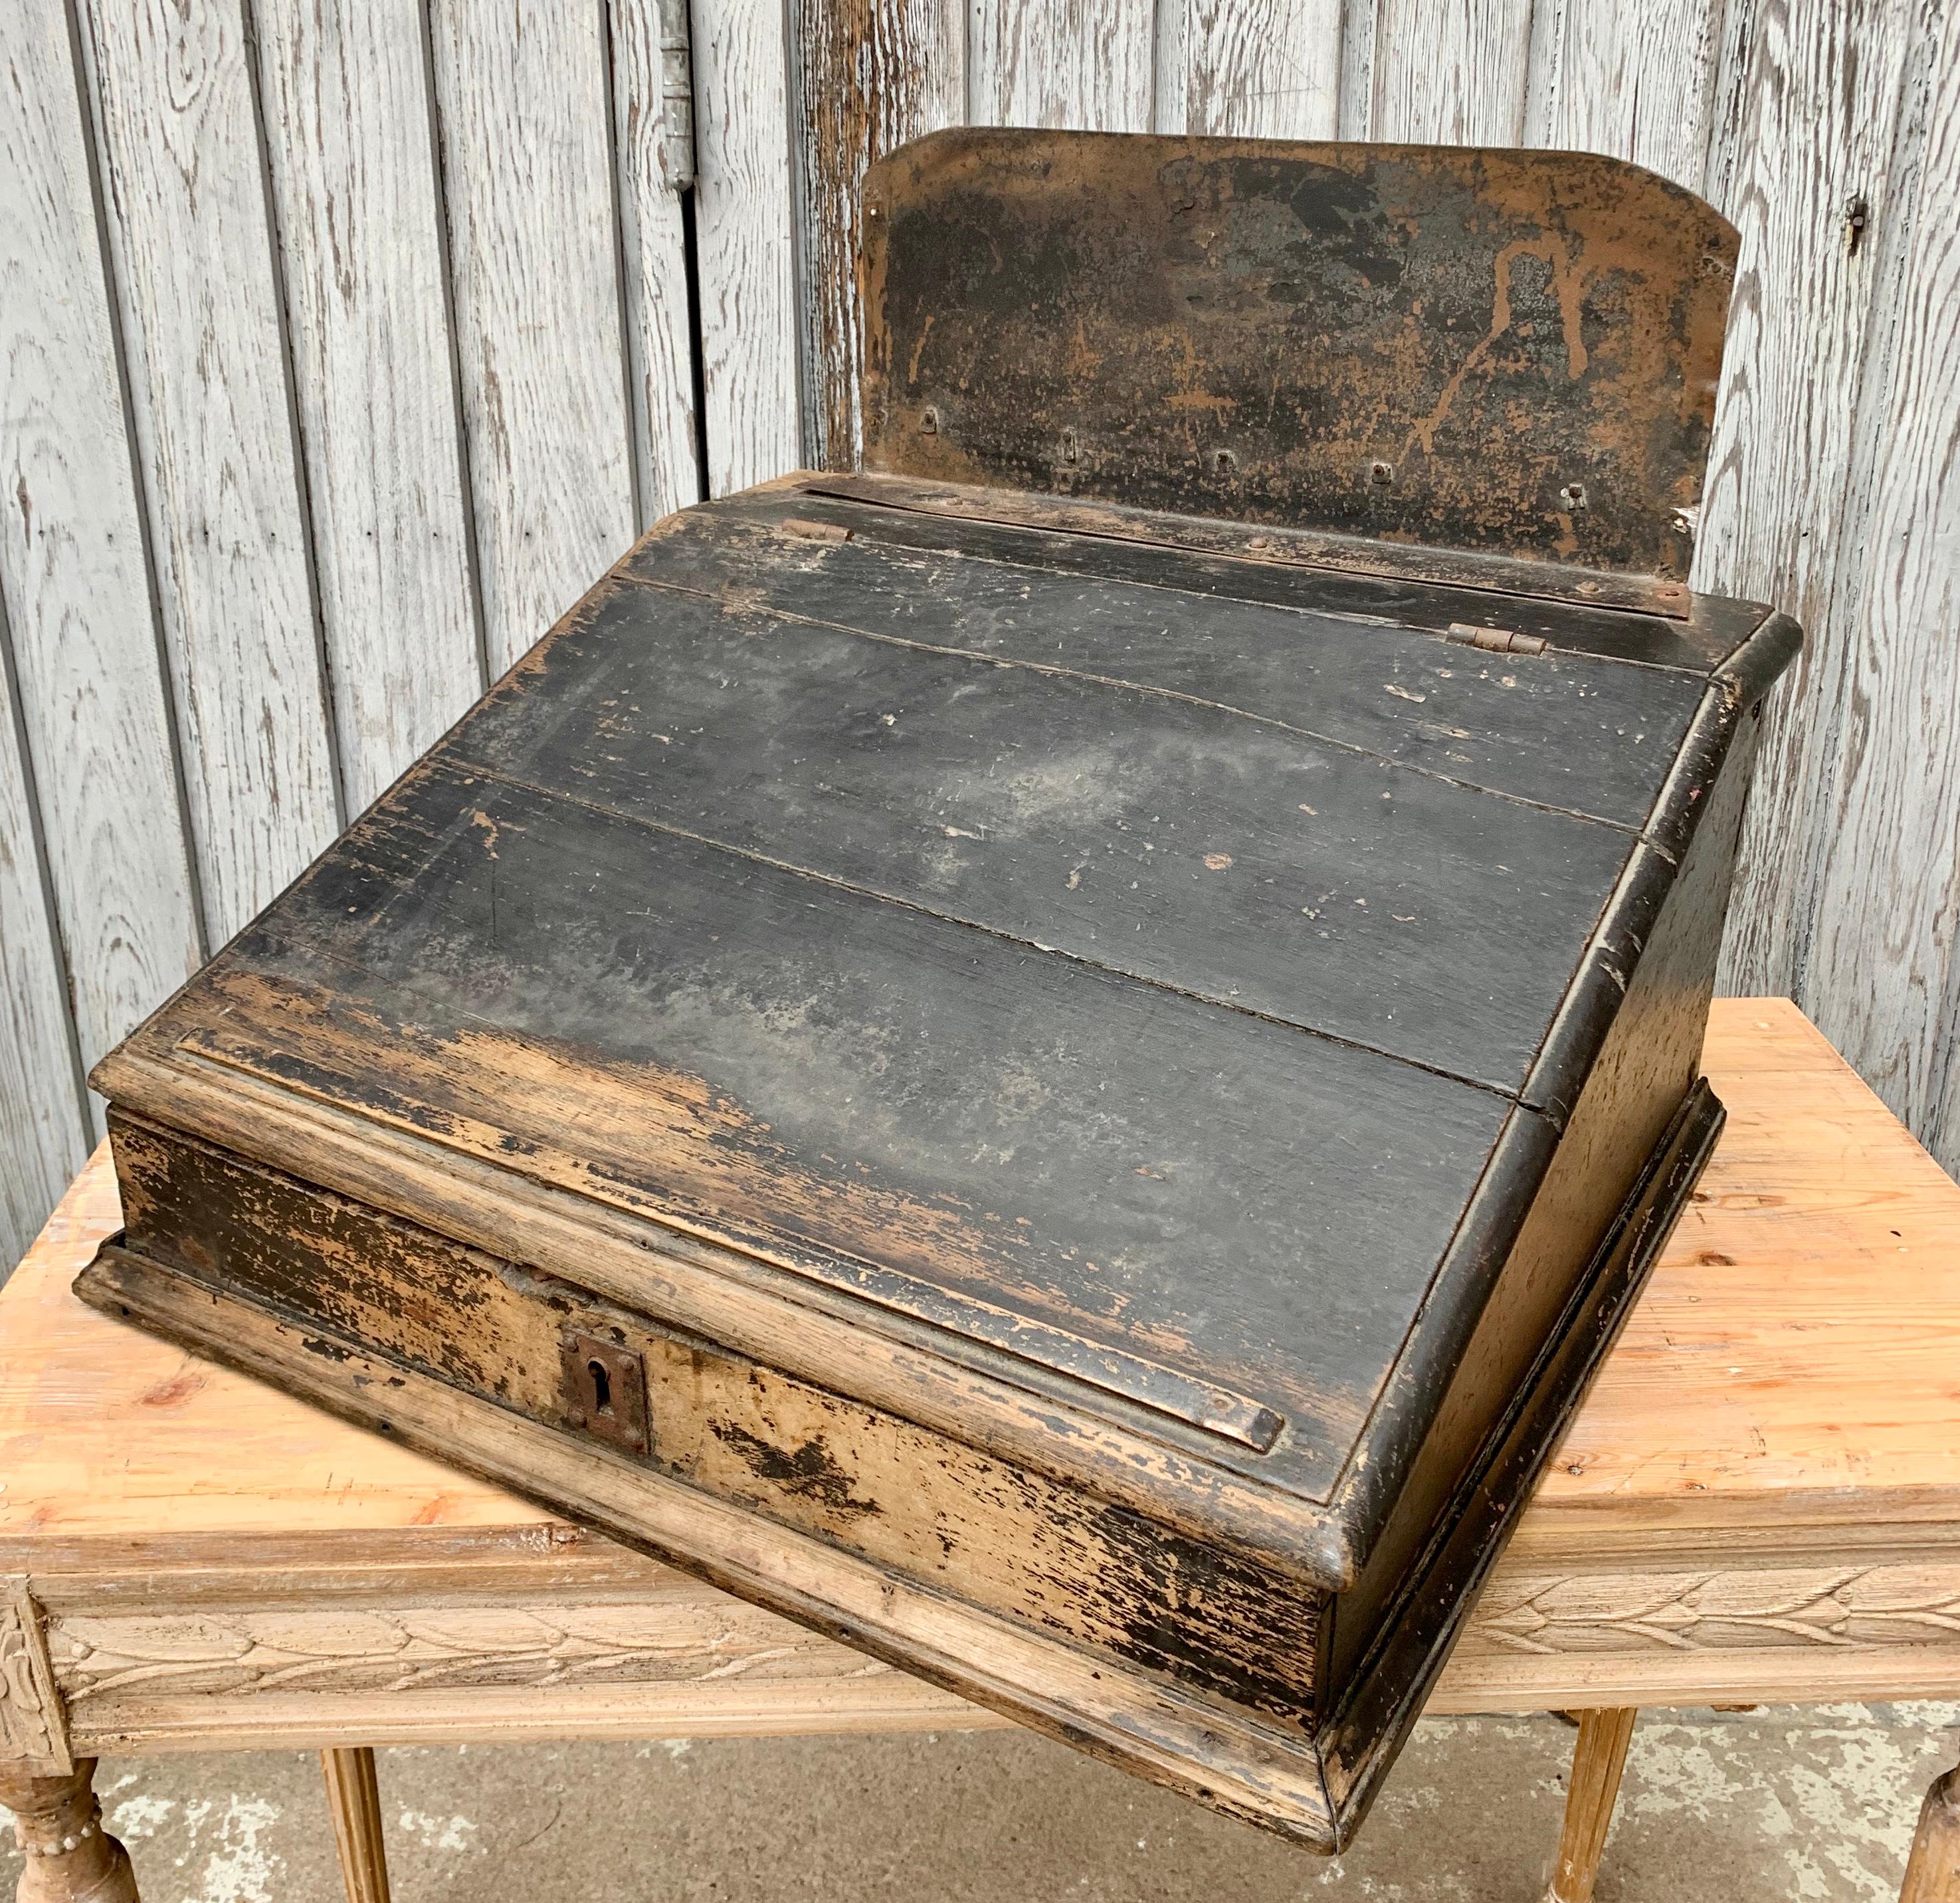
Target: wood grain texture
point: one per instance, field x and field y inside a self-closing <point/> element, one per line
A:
<point x="660" y="345"/>
<point x="1085" y="64"/>
<point x="351" y="154"/>
<point x="94" y="702"/>
<point x="1808" y="95"/>
<point x="522" y="97"/>
<point x="1598" y="1759"/>
<point x="1637" y="82"/>
<point x="354" y="1802"/>
<point x="871" y="74"/>
<point x="751" y="346"/>
<point x="1933" y="1871"/>
<point x="1883" y="969"/>
<point x="1249" y="68"/>
<point x="191" y="237"/>
<point x="1448" y="72"/>
<point x="43" y="1120"/>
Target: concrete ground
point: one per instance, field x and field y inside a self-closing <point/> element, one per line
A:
<point x="1777" y="1804"/>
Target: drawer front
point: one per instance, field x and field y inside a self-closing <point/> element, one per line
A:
<point x="981" y="1531"/>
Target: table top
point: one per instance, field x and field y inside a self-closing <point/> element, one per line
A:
<point x="1795" y="1361"/>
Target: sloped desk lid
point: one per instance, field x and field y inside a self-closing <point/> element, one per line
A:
<point x="1124" y="987"/>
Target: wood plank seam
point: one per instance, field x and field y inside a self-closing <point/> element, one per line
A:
<point x="282" y="318"/>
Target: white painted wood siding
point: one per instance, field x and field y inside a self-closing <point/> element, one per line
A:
<point x="338" y="362"/>
<point x="360" y="222"/>
<point x="524" y="94"/>
<point x="203" y="321"/>
<point x="93" y="705"/>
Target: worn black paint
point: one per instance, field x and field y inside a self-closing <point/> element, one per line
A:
<point x="910" y="916"/>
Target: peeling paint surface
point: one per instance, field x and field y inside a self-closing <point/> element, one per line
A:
<point x="1816" y="1804"/>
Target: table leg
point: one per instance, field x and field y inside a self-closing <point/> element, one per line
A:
<point x="1598" y="1759"/>
<point x="70" y="1858"/>
<point x="1933" y="1871"/>
<point x="354" y="1799"/>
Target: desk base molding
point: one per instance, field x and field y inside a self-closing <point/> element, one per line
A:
<point x="675" y="1658"/>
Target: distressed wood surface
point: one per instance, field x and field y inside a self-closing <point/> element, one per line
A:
<point x="359" y="218"/>
<point x="75" y="580"/>
<point x="191" y="237"/>
<point x="294" y="1581"/>
<point x="43" y="1122"/>
<point x="1249" y="68"/>
<point x="1637" y="81"/>
<point x="1810" y="94"/>
<point x="751" y="347"/>
<point x="523" y="102"/>
<point x="1084" y="65"/>
<point x="874" y="74"/>
<point x="1883" y="968"/>
<point x="845" y="1126"/>
<point x="1448" y="72"/>
<point x="660" y="345"/>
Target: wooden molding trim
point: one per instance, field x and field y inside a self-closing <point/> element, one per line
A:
<point x="1904" y="1602"/>
<point x="684" y="1660"/>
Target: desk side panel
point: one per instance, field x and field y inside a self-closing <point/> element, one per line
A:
<point x="1646" y="1069"/>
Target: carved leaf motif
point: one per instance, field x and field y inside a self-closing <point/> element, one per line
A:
<point x="1907" y="1604"/>
<point x="341" y="1648"/>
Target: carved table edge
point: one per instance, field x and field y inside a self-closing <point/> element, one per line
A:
<point x="33" y="1729"/>
<point x="91" y="1665"/>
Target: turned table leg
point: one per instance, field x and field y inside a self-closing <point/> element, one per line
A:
<point x="1598" y="1759"/>
<point x="1933" y="1871"/>
<point x="70" y="1858"/>
<point x="354" y="1799"/>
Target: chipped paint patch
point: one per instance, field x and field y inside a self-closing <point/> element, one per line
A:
<point x="243" y="1868"/>
<point x="140" y="1816"/>
<point x="453" y="1833"/>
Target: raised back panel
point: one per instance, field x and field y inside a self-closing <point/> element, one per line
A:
<point x="1511" y="352"/>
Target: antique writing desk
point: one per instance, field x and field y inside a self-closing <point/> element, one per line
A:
<point x="1760" y="1501"/>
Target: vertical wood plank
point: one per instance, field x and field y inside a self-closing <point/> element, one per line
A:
<point x="42" y="1141"/>
<point x="746" y="218"/>
<point x="190" y="237"/>
<point x="94" y="708"/>
<point x="526" y="140"/>
<point x="345" y="86"/>
<point x="660" y="344"/>
<point x="1450" y="72"/>
<point x="1637" y="82"/>
<point x="1250" y="68"/>
<point x="1809" y="93"/>
<point x="1085" y="64"/>
<point x="871" y="74"/>
<point x="1883" y="979"/>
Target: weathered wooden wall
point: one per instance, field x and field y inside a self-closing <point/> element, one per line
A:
<point x="344" y="341"/>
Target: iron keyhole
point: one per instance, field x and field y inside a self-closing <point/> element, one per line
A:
<point x="601" y="1386"/>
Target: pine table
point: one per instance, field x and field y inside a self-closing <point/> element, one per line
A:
<point x="1760" y="1502"/>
